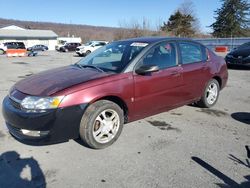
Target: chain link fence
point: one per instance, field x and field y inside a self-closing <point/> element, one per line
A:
<point x="229" y="42"/>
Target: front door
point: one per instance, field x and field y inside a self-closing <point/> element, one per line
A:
<point x="160" y="90"/>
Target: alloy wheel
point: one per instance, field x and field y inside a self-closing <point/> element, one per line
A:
<point x="212" y="93"/>
<point x="106" y="126"/>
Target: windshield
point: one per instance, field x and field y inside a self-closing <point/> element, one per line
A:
<point x="88" y="44"/>
<point x="113" y="57"/>
<point x="245" y="45"/>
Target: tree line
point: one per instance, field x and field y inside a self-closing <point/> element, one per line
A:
<point x="232" y="19"/>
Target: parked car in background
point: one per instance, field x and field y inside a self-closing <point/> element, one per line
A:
<point x="96" y="96"/>
<point x="38" y="47"/>
<point x="70" y="46"/>
<point x="90" y="47"/>
<point x="239" y="55"/>
<point x="14" y="45"/>
<point x="11" y="45"/>
<point x="62" y="40"/>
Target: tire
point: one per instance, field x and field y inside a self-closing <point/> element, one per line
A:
<point x="210" y="95"/>
<point x="87" y="53"/>
<point x="1" y="52"/>
<point x="97" y="130"/>
<point x="229" y="66"/>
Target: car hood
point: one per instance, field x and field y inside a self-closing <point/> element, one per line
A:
<point x="82" y="46"/>
<point x="49" y="82"/>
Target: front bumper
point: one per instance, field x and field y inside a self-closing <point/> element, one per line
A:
<point x="78" y="53"/>
<point x="237" y="61"/>
<point x="49" y="127"/>
<point x="81" y="52"/>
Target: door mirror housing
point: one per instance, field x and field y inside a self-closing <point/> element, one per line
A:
<point x="145" y="69"/>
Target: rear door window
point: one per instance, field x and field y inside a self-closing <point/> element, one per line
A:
<point x="191" y="53"/>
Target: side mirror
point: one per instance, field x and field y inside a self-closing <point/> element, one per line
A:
<point x="144" y="69"/>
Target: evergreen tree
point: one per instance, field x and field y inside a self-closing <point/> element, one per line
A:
<point x="232" y="19"/>
<point x="179" y="24"/>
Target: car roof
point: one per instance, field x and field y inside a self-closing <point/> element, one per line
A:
<point x="155" y="39"/>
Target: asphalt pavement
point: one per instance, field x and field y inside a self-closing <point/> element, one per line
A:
<point x="185" y="147"/>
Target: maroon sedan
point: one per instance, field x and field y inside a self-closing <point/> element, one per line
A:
<point x="122" y="82"/>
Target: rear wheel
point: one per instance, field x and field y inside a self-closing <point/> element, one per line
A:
<point x="1" y="52"/>
<point x="101" y="124"/>
<point x="210" y="95"/>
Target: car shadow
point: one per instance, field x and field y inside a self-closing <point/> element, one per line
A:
<point x="243" y="117"/>
<point x="20" y="63"/>
<point x="20" y="172"/>
<point x="78" y="56"/>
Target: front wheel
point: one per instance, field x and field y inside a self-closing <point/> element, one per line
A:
<point x="101" y="124"/>
<point x="87" y="53"/>
<point x="210" y="95"/>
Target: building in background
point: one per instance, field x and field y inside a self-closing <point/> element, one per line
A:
<point x="29" y="37"/>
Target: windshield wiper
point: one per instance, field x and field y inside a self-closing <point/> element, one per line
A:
<point x="78" y="65"/>
<point x="91" y="66"/>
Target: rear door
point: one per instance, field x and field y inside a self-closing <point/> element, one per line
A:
<point x="39" y="47"/>
<point x="71" y="46"/>
<point x="160" y="90"/>
<point x="195" y="69"/>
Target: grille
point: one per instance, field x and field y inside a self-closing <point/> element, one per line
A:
<point x="14" y="129"/>
<point x="15" y="104"/>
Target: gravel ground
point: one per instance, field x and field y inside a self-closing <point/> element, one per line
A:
<point x="185" y="147"/>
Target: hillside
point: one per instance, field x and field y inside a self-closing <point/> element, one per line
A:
<point x="86" y="32"/>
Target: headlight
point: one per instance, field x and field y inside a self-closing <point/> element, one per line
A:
<point x="229" y="56"/>
<point x="41" y="103"/>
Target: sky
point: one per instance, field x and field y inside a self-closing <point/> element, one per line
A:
<point x="104" y="13"/>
